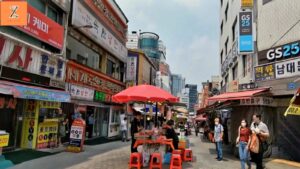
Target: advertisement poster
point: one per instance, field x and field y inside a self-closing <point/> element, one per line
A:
<point x="246" y="44"/>
<point x="247" y="3"/>
<point x="4" y="139"/>
<point x="132" y="66"/>
<point x="77" y="136"/>
<point x="47" y="134"/>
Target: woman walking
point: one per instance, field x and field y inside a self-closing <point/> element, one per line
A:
<point x="243" y="140"/>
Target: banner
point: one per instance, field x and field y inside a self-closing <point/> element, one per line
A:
<point x="132" y="66"/>
<point x="246" y="44"/>
<point x="289" y="68"/>
<point x="43" y="28"/>
<point x="292" y="110"/>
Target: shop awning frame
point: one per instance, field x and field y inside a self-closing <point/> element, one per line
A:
<point x="239" y="95"/>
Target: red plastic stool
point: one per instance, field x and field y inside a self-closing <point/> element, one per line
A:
<point x="188" y="155"/>
<point x="176" y="162"/>
<point x="158" y="163"/>
<point x="177" y="152"/>
<point x="135" y="160"/>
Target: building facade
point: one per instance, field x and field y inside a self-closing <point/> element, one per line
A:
<point x="33" y="68"/>
<point x="193" y="96"/>
<point x="96" y="49"/>
<point x="140" y="69"/>
<point x="178" y="83"/>
<point x="259" y="49"/>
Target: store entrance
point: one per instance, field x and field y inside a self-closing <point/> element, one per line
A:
<point x="102" y="119"/>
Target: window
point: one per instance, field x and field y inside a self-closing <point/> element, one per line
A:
<point x="235" y="72"/>
<point x="244" y="65"/>
<point x="266" y="1"/>
<point x="221" y="57"/>
<point x="81" y="59"/>
<point x="226" y="46"/>
<point x="39" y="5"/>
<point x="233" y="29"/>
<point x="68" y="54"/>
<point x="222" y="28"/>
<point x="52" y="14"/>
<point x="115" y="116"/>
<point x="226" y="11"/>
<point x="221" y="3"/>
<point x="110" y="67"/>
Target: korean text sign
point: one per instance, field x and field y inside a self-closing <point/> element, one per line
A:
<point x="265" y="72"/>
<point x="288" y="68"/>
<point x="43" y="28"/>
<point x="13" y="13"/>
<point x="246" y="44"/>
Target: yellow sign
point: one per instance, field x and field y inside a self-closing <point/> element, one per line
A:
<point x="246" y="3"/>
<point x="47" y="134"/>
<point x="4" y="140"/>
<point x="13" y="13"/>
<point x="292" y="110"/>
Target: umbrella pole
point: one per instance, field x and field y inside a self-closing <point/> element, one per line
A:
<point x="156" y="121"/>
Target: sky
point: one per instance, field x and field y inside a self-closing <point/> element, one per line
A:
<point x="189" y="29"/>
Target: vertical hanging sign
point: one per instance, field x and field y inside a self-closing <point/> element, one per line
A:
<point x="246" y="44"/>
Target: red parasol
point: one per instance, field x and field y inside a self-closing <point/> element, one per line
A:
<point x="144" y="93"/>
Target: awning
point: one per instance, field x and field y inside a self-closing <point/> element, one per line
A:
<point x="35" y="93"/>
<point x="201" y="118"/>
<point x="238" y="95"/>
<point x="6" y="89"/>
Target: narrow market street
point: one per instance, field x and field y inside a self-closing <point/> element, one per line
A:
<point x="115" y="155"/>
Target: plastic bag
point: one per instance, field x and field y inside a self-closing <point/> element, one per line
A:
<point x="254" y="145"/>
<point x="146" y="158"/>
<point x="167" y="158"/>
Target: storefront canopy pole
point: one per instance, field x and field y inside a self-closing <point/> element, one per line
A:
<point x="156" y="121"/>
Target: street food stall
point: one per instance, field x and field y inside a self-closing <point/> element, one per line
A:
<point x="154" y="140"/>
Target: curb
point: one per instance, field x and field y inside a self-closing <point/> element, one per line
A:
<point x="286" y="162"/>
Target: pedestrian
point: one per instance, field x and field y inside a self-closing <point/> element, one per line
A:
<point x="124" y="129"/>
<point x="243" y="141"/>
<point x="171" y="134"/>
<point x="197" y="128"/>
<point x="218" y="137"/>
<point x="91" y="122"/>
<point x="261" y="130"/>
<point x="62" y="122"/>
<point x="136" y="126"/>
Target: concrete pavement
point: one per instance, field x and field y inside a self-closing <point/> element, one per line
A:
<point x="115" y="155"/>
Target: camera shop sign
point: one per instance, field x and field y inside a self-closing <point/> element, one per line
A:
<point x="257" y="101"/>
<point x="19" y="56"/>
<point x="278" y="53"/>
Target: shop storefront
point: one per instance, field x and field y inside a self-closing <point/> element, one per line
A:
<point x="91" y="94"/>
<point x="32" y="84"/>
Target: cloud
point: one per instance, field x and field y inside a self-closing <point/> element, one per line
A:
<point x="189" y="29"/>
<point x="196" y="61"/>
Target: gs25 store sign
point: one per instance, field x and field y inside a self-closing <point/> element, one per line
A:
<point x="283" y="52"/>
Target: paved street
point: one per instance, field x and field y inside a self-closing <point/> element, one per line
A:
<point x="115" y="155"/>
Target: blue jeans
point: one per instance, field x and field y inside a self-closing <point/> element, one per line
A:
<point x="219" y="150"/>
<point x="244" y="154"/>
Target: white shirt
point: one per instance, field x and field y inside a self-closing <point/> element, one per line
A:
<point x="123" y="125"/>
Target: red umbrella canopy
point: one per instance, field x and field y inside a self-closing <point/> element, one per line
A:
<point x="144" y="93"/>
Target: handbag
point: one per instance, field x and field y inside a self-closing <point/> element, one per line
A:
<point x="254" y="145"/>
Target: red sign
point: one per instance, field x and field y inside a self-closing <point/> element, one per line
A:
<point x="83" y="76"/>
<point x="43" y="28"/>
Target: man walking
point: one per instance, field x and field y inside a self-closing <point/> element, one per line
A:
<point x="218" y="136"/>
<point x="262" y="132"/>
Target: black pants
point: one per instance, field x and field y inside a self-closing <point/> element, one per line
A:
<point x="133" y="150"/>
<point x="90" y="130"/>
<point x="258" y="158"/>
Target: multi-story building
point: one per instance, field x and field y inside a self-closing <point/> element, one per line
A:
<point x="235" y="65"/>
<point x="133" y="40"/>
<point x="32" y="75"/>
<point x="178" y="83"/>
<point x="193" y="96"/>
<point x="259" y="49"/>
<point x="96" y="49"/>
<point x="140" y="69"/>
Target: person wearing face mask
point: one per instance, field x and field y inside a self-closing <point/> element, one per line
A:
<point x="243" y="140"/>
<point x="218" y="136"/>
<point x="262" y="132"/>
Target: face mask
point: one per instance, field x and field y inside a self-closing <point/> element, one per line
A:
<point x="216" y="123"/>
<point x="243" y="124"/>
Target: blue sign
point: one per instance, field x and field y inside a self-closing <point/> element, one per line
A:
<point x="42" y="94"/>
<point x="246" y="43"/>
<point x="246" y="32"/>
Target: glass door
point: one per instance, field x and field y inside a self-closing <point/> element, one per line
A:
<point x="104" y="121"/>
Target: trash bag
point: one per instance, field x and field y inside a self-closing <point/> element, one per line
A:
<point x="167" y="158"/>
